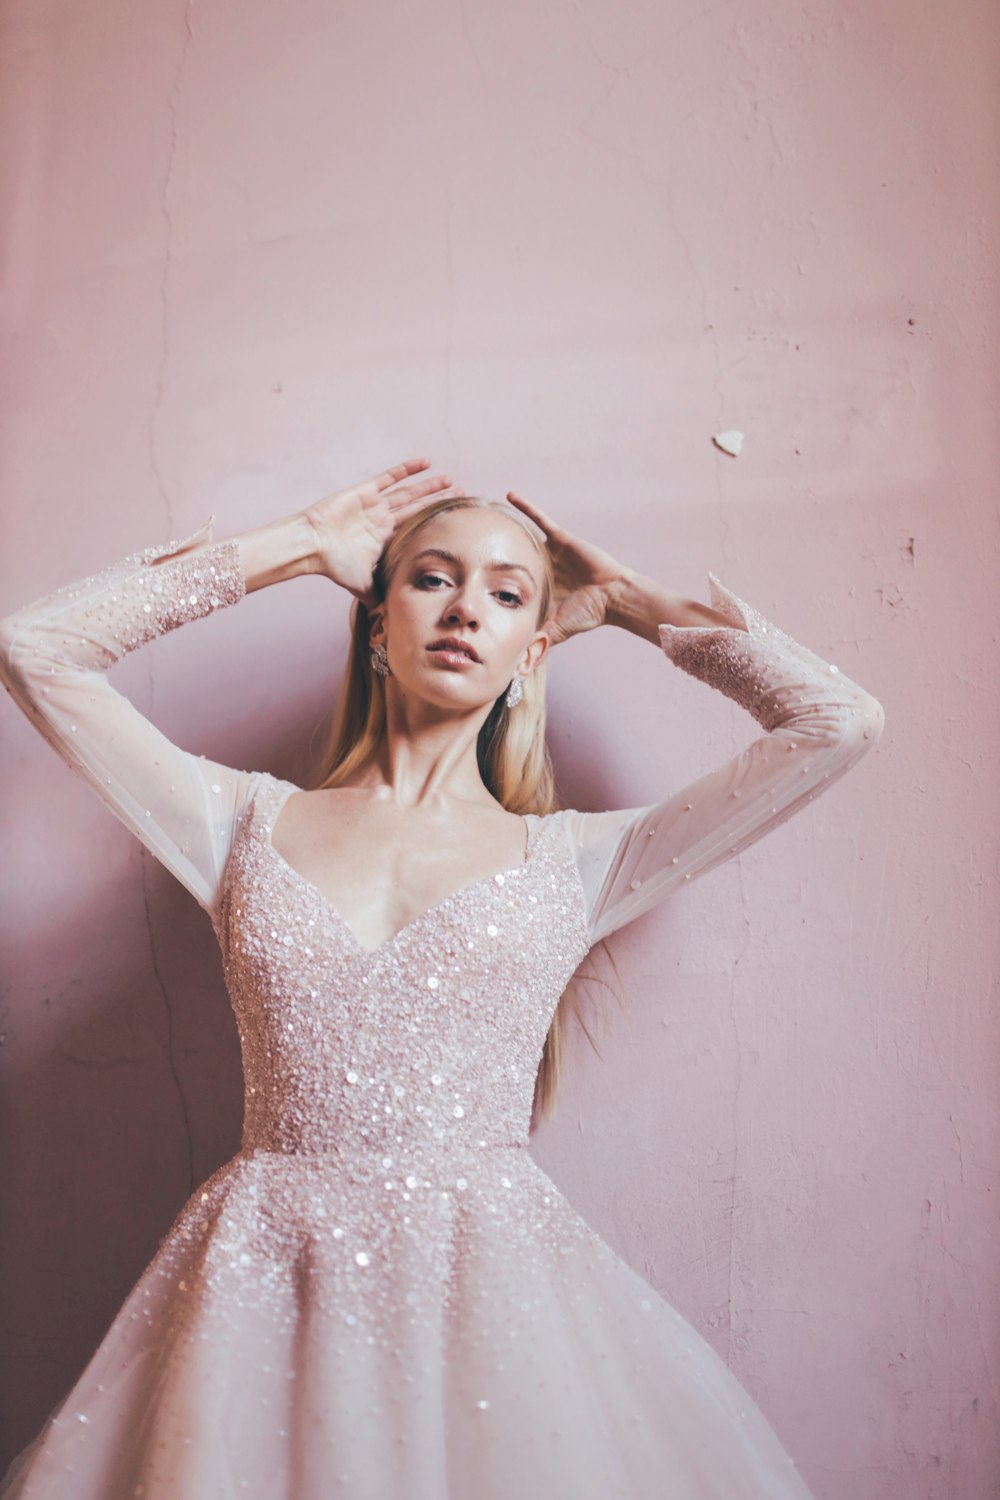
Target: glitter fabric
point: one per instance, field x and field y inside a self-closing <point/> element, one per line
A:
<point x="381" y="1296"/>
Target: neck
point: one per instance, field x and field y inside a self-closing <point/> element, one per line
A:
<point x="427" y="757"/>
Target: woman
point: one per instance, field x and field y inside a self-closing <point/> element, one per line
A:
<point x="382" y="1295"/>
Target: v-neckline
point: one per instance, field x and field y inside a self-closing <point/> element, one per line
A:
<point x="276" y="803"/>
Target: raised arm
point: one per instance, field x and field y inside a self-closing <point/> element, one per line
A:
<point x="818" y="724"/>
<point x="56" y="652"/>
<point x="54" y="655"/>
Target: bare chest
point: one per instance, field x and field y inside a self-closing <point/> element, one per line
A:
<point x="381" y="868"/>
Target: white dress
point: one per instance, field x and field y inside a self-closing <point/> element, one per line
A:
<point x="381" y="1296"/>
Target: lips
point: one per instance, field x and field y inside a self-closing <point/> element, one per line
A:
<point x="452" y="643"/>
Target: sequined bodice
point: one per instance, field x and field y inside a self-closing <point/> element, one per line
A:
<point x="428" y="1044"/>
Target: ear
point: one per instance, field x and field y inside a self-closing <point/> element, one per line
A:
<point x="534" y="654"/>
<point x="376" y="624"/>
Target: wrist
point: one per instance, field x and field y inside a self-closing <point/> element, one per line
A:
<point x="277" y="551"/>
<point x="638" y="604"/>
<point x="619" y="597"/>
<point x="642" y="605"/>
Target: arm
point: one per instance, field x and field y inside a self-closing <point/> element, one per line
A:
<point x="54" y="656"/>
<point x="818" y="724"/>
<point x="56" y="652"/>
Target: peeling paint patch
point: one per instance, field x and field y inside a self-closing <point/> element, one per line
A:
<point x="730" y="441"/>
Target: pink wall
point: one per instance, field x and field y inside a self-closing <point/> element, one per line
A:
<point x="255" y="251"/>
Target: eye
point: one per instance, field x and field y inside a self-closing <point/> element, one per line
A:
<point x="510" y="594"/>
<point x="423" y="580"/>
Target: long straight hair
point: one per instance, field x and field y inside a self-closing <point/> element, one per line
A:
<point x="513" y="756"/>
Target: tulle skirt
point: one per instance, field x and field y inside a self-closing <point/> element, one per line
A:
<point x="306" y="1332"/>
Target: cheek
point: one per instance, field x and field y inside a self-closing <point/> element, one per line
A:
<point x="401" y="607"/>
<point x="413" y="617"/>
<point x="519" y="637"/>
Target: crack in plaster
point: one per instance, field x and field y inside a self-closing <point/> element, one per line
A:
<point x="450" y="320"/>
<point x="648" y="52"/>
<point x="468" y="37"/>
<point x="961" y="1158"/>
<point x="169" y="1015"/>
<point x="173" y="103"/>
<point x="663" y="186"/>
<point x="734" y="1186"/>
<point x="98" y="1064"/>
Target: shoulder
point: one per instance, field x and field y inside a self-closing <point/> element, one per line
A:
<point x="583" y="826"/>
<point x="566" y="823"/>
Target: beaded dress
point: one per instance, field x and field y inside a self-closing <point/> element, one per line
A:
<point x="382" y="1296"/>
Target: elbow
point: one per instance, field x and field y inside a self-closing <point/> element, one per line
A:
<point x="20" y="652"/>
<point x="9" y="632"/>
<point x="845" y="723"/>
<point x="845" y="739"/>
<point x="876" y="719"/>
<point x="861" y="727"/>
<point x="870" y="718"/>
<point x="845" y="729"/>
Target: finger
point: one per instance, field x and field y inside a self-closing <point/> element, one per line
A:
<point x="400" y="471"/>
<point x="533" y="513"/>
<point x="426" y="486"/>
<point x="418" y="494"/>
<point x="552" y="629"/>
<point x="403" y="509"/>
<point x="450" y="492"/>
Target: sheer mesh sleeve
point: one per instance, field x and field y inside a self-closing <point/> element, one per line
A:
<point x="818" y="723"/>
<point x="54" y="655"/>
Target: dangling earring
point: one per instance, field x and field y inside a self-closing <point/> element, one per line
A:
<point x="514" y="693"/>
<point x="380" y="660"/>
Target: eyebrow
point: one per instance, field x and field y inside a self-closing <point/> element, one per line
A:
<point x="496" y="565"/>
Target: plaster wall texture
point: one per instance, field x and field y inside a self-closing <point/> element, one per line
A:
<point x="255" y="252"/>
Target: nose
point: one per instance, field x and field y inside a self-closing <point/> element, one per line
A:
<point x="462" y="611"/>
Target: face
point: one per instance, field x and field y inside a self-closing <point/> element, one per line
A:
<point x="474" y="577"/>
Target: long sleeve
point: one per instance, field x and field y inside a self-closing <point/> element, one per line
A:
<point x="818" y="723"/>
<point x="54" y="656"/>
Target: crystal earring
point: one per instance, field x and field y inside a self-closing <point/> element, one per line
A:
<point x="514" y="693"/>
<point x="380" y="660"/>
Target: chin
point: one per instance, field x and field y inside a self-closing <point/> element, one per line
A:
<point x="443" y="690"/>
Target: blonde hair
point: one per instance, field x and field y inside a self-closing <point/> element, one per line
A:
<point x="513" y="756"/>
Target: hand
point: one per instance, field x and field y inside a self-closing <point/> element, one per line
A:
<point x="352" y="526"/>
<point x="586" y="577"/>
